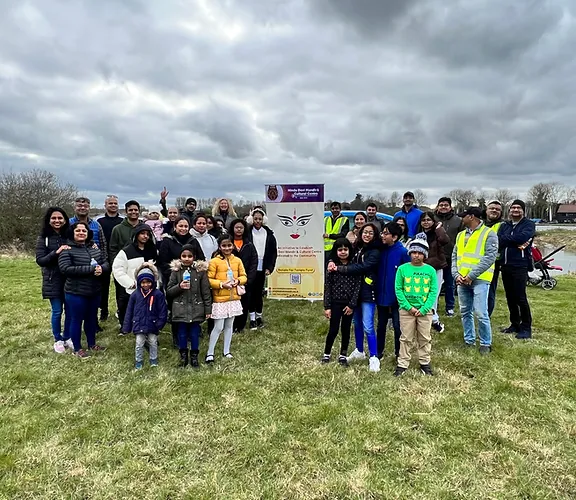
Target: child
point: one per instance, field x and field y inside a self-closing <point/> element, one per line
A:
<point x="341" y="293"/>
<point x="189" y="290"/>
<point x="153" y="220"/>
<point x="146" y="314"/>
<point x="416" y="287"/>
<point x="226" y="274"/>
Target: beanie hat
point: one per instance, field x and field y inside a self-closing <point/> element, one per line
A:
<point x="191" y="200"/>
<point x="154" y="208"/>
<point x="419" y="244"/>
<point x="520" y="203"/>
<point x="146" y="273"/>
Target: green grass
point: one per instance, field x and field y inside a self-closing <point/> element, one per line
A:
<point x="275" y="423"/>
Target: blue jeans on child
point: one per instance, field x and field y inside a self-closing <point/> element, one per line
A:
<point x="82" y="309"/>
<point x="57" y="305"/>
<point x="474" y="299"/>
<point x="364" y="323"/>
<point x="188" y="332"/>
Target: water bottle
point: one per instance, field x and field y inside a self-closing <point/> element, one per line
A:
<point x="186" y="276"/>
<point x="230" y="275"/>
<point x="93" y="262"/>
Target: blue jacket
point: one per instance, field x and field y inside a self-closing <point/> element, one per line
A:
<point x="365" y="264"/>
<point x="510" y="237"/>
<point x="146" y="313"/>
<point x="412" y="219"/>
<point x="391" y="258"/>
<point x="98" y="233"/>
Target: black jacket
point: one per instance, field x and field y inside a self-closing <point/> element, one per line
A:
<point x="75" y="265"/>
<point x="270" y="251"/>
<point x="341" y="290"/>
<point x="108" y="224"/>
<point x="365" y="264"/>
<point x="510" y="237"/>
<point x="249" y="258"/>
<point x="47" y="259"/>
<point x="170" y="250"/>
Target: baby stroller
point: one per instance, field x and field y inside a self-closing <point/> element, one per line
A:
<point x="542" y="267"/>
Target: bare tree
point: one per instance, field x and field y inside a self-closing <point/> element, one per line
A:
<point x="504" y="196"/>
<point x="462" y="198"/>
<point x="395" y="199"/>
<point x="180" y="201"/>
<point x="421" y="197"/>
<point x="26" y="196"/>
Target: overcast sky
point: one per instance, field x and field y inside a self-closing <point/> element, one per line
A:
<point x="219" y="97"/>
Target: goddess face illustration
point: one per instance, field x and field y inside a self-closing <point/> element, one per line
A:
<point x="295" y="223"/>
<point x="272" y="193"/>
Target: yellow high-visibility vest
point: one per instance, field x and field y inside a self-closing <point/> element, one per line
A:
<point x="496" y="227"/>
<point x="332" y="229"/>
<point x="469" y="253"/>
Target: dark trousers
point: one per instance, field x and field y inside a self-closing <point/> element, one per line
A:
<point x="256" y="298"/>
<point x="384" y="314"/>
<point x="122" y="298"/>
<point x="493" y="288"/>
<point x="514" y="280"/>
<point x="105" y="277"/>
<point x="82" y="310"/>
<point x="449" y="286"/>
<point x="339" y="321"/>
<point x="240" y="321"/>
<point x="188" y="332"/>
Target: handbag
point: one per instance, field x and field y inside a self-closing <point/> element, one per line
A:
<point x="240" y="289"/>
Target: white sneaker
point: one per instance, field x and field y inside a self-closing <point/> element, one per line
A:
<point x="356" y="354"/>
<point x="68" y="344"/>
<point x="59" y="347"/>
<point x="374" y="364"/>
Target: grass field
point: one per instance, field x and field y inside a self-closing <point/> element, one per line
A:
<point x="275" y="423"/>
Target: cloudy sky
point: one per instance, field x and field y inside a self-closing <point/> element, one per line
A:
<point x="219" y="97"/>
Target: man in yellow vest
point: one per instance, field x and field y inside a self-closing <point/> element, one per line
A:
<point x="494" y="221"/>
<point x="473" y="260"/>
<point x="335" y="226"/>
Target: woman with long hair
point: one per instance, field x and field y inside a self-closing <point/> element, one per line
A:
<point x="360" y="219"/>
<point x="50" y="244"/>
<point x="223" y="210"/>
<point x="401" y="221"/>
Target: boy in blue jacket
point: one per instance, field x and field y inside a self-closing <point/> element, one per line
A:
<point x="392" y="256"/>
<point x="146" y="314"/>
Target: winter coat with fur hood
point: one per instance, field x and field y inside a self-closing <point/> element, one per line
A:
<point x="170" y="250"/>
<point x="146" y="313"/>
<point x="194" y="304"/>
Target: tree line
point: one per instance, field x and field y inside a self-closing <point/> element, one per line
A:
<point x="25" y="196"/>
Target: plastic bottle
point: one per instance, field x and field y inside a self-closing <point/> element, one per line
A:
<point x="186" y="276"/>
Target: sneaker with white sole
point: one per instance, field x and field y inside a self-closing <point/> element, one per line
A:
<point x="59" y="347"/>
<point x="68" y="344"/>
<point x="439" y="327"/>
<point x="356" y="354"/>
<point x="374" y="364"/>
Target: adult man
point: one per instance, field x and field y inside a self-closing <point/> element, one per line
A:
<point x="452" y="224"/>
<point x="207" y="242"/>
<point x="172" y="215"/>
<point x="473" y="260"/>
<point x="122" y="236"/>
<point x="81" y="211"/>
<point x="190" y="210"/>
<point x="515" y="237"/>
<point x="494" y="221"/>
<point x="335" y="226"/>
<point x="108" y="221"/>
<point x="410" y="212"/>
<point x="372" y="218"/>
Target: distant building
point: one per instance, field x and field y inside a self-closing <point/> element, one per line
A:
<point x="566" y="212"/>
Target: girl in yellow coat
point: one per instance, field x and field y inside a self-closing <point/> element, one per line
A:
<point x="226" y="274"/>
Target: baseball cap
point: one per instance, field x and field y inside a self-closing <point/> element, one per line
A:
<point x="473" y="211"/>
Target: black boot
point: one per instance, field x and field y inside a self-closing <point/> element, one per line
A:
<point x="183" y="358"/>
<point x="194" y="359"/>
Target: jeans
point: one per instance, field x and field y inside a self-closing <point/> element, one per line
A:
<point x="474" y="299"/>
<point x="384" y="314"/>
<point x="56" y="320"/>
<point x="514" y="280"/>
<point x="364" y="323"/>
<point x="338" y="321"/>
<point x="449" y="286"/>
<point x="493" y="288"/>
<point x="188" y="332"/>
<point x="152" y="345"/>
<point x="82" y="309"/>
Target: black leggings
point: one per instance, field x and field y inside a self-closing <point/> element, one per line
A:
<point x="338" y="321"/>
<point x="257" y="289"/>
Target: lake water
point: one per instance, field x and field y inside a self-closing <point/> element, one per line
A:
<point x="566" y="260"/>
<point x="554" y="227"/>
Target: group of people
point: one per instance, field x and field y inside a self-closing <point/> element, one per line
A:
<point x="397" y="269"/>
<point x="192" y="268"/>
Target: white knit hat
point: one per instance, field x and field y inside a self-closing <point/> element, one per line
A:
<point x="419" y="244"/>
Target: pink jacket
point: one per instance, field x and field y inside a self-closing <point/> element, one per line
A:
<point x="157" y="228"/>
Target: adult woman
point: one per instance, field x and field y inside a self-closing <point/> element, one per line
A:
<point x="401" y="221"/>
<point x="437" y="239"/>
<point x="172" y="244"/>
<point x="213" y="228"/>
<point x="82" y="265"/>
<point x="266" y="246"/>
<point x="360" y="220"/>
<point x="244" y="249"/>
<point x="49" y="246"/>
<point x="365" y="263"/>
<point x="224" y="210"/>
